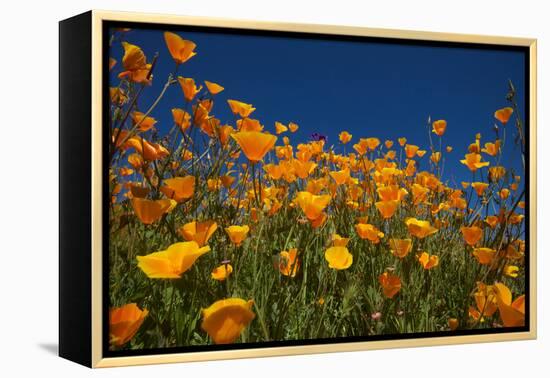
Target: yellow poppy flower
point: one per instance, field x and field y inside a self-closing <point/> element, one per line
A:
<point x="428" y="261"/>
<point x="439" y="127"/>
<point x="124" y="322"/>
<point x="135" y="64"/>
<point x="473" y="161"/>
<point x="237" y="234"/>
<point x="503" y="115"/>
<point x="199" y="232"/>
<point x="292" y="127"/>
<point x="280" y="128"/>
<point x="391" y="284"/>
<point x="511" y="313"/>
<point x="484" y="255"/>
<point x="225" y="319"/>
<point x="340" y="177"/>
<point x="345" y="137"/>
<point x="511" y="271"/>
<point x="471" y="234"/>
<point x="486" y="302"/>
<point x="179" y="188"/>
<point x="338" y="241"/>
<point x="240" y="108"/>
<point x="181" y="50"/>
<point x="369" y="232"/>
<point x="213" y="88"/>
<point x="496" y="173"/>
<point x="435" y="157"/>
<point x="312" y="205"/>
<point x="254" y="144"/>
<point x="449" y="148"/>
<point x="387" y="208"/>
<point x="172" y="262"/>
<point x="420" y="228"/>
<point x="420" y="153"/>
<point x="400" y="247"/>
<point x="288" y="262"/>
<point x="181" y="118"/>
<point x="338" y="258"/>
<point x="149" y="211"/>
<point x="221" y="272"/>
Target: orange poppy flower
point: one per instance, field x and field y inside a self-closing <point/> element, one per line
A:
<point x="503" y="115"/>
<point x="428" y="261"/>
<point x="344" y="137"/>
<point x="135" y="64"/>
<point x="496" y="173"/>
<point x="312" y="205"/>
<point x="249" y="124"/>
<point x="341" y="177"/>
<point x="148" y="150"/>
<point x="149" y="211"/>
<point x="145" y="123"/>
<point x="112" y="63"/>
<point x="221" y="272"/>
<point x="479" y="187"/>
<point x="124" y="322"/>
<point x="254" y="144"/>
<point x="492" y="149"/>
<point x="338" y="241"/>
<point x="372" y="143"/>
<point x="181" y="118"/>
<point x="420" y="193"/>
<point x="199" y="232"/>
<point x="484" y="255"/>
<point x="439" y="127"/>
<point x="391" y="284"/>
<point x="292" y="127"/>
<point x="361" y="147"/>
<point x="402" y="141"/>
<point x="387" y="208"/>
<point x="303" y="169"/>
<point x="280" y="128"/>
<point x="181" y="50"/>
<point x="319" y="221"/>
<point x="492" y="221"/>
<point x="274" y="171"/>
<point x="391" y="192"/>
<point x="411" y="150"/>
<point x="172" y="262"/>
<point x="388" y="144"/>
<point x="435" y="157"/>
<point x="453" y="323"/>
<point x="225" y="319"/>
<point x="189" y="88"/>
<point x="288" y="262"/>
<point x="179" y="188"/>
<point x="118" y="96"/>
<point x="400" y="247"/>
<point x="138" y="191"/>
<point x="240" y="108"/>
<point x="511" y="313"/>
<point x="213" y="88"/>
<point x="486" y="302"/>
<point x="237" y="234"/>
<point x="504" y="193"/>
<point x="369" y="232"/>
<point x="473" y="161"/>
<point x="420" y="228"/>
<point x="471" y="234"/>
<point x="338" y="258"/>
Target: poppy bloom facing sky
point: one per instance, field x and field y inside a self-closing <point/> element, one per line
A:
<point x="385" y="90"/>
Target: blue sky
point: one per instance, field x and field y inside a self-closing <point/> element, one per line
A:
<point x="327" y="86"/>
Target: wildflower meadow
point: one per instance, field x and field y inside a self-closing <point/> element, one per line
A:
<point x="232" y="230"/>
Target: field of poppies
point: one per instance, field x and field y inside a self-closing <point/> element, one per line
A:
<point x="228" y="231"/>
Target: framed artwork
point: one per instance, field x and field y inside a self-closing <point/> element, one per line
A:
<point x="236" y="189"/>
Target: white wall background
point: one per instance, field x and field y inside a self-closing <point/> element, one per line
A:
<point x="28" y="209"/>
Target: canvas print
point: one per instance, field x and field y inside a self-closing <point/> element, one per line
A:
<point x="270" y="188"/>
